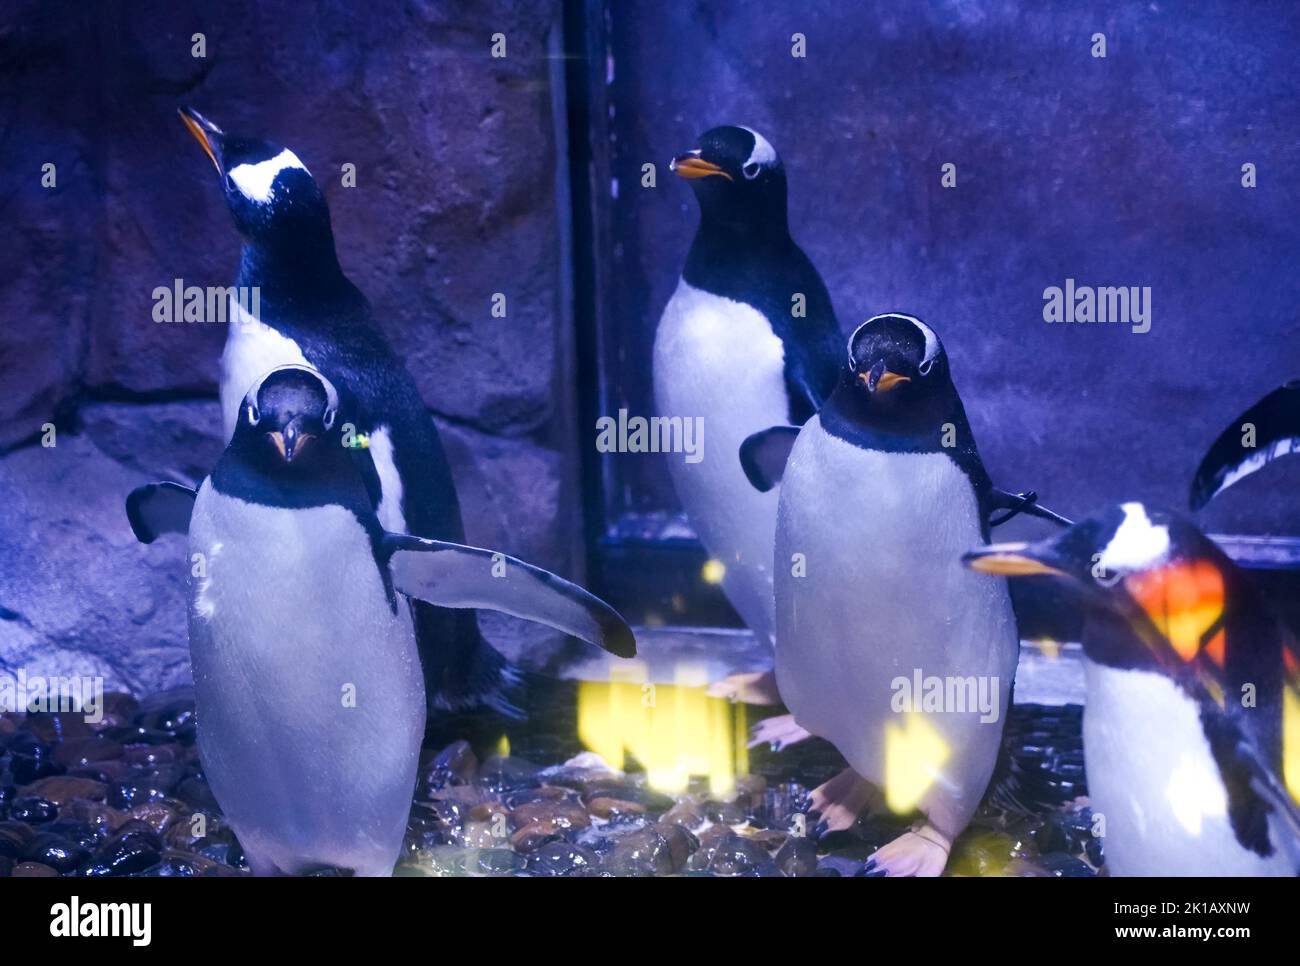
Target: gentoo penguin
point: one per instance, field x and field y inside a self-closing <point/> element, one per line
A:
<point x="310" y="313"/>
<point x="879" y="491"/>
<point x="1274" y="431"/>
<point x="1191" y="729"/>
<point x="747" y="291"/>
<point x="311" y="704"/>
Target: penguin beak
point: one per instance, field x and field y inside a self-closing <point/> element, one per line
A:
<point x="1010" y="560"/>
<point x="692" y="167"/>
<point x="204" y="131"/>
<point x="291" y="442"/>
<point x="880" y="379"/>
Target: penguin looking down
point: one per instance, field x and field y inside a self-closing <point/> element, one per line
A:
<point x="311" y="314"/>
<point x="870" y="590"/>
<point x="310" y="698"/>
<point x="748" y="340"/>
<point x="1191" y="730"/>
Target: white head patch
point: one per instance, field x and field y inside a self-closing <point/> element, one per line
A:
<point x="763" y="153"/>
<point x="1137" y="544"/>
<point x="927" y="333"/>
<point x="256" y="181"/>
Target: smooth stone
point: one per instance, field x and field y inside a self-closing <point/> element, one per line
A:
<point x="33" y="810"/>
<point x="183" y="864"/>
<point x="150" y="755"/>
<point x="681" y="842"/>
<point x="563" y="859"/>
<point x="564" y="813"/>
<point x="55" y="726"/>
<point x="454" y="765"/>
<point x="725" y="813"/>
<point x="684" y="813"/>
<point x="160" y="815"/>
<point x="61" y="789"/>
<point x="797" y="857"/>
<point x="499" y="862"/>
<point x="33" y="870"/>
<point x="127" y="794"/>
<point x="627" y="791"/>
<point x="78" y="832"/>
<point x="536" y="834"/>
<point x="118" y="709"/>
<point x="78" y="752"/>
<point x="56" y="851"/>
<point x="640" y="853"/>
<point x="1062" y="865"/>
<point x="135" y="847"/>
<point x="503" y="773"/>
<point x="611" y="807"/>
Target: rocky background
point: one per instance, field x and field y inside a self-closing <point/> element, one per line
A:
<point x="455" y="199"/>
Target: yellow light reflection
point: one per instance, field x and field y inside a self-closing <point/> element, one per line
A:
<point x="1291" y="741"/>
<point x="914" y="753"/>
<point x="675" y="731"/>
<point x="713" y="571"/>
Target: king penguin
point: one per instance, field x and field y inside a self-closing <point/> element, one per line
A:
<point x="311" y="314"/>
<point x="1191" y="727"/>
<point x="747" y="292"/>
<point x="310" y="700"/>
<point x="878" y="492"/>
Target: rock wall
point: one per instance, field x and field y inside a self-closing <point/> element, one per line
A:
<point x="455" y="200"/>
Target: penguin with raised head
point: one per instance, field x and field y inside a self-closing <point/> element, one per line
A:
<point x="310" y="698"/>
<point x="1266" y="431"/>
<point x="878" y="492"/>
<point x="1191" y="729"/>
<point x="310" y="313"/>
<point x="748" y="292"/>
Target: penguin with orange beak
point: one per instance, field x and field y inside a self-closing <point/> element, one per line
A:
<point x="1192" y="722"/>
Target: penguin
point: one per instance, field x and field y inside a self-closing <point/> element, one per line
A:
<point x="746" y="288"/>
<point x="878" y="492"/>
<point x="1275" y="432"/>
<point x="310" y="700"/>
<point x="311" y="314"/>
<point x="1191" y="726"/>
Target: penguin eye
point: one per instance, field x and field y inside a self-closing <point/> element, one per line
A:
<point x="254" y="414"/>
<point x="751" y="170"/>
<point x="328" y="421"/>
<point x="230" y="183"/>
<point x="925" y="367"/>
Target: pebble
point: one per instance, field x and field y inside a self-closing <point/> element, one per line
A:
<point x="798" y="857"/>
<point x="59" y="853"/>
<point x="78" y="752"/>
<point x="135" y="847"/>
<point x="563" y="859"/>
<point x="32" y="870"/>
<point x="61" y="789"/>
<point x="612" y="807"/>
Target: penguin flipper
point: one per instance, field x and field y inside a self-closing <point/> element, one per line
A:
<point x="454" y="575"/>
<point x="763" y="455"/>
<point x="158" y="508"/>
<point x="1017" y="503"/>
<point x="1276" y="422"/>
<point x="1254" y="789"/>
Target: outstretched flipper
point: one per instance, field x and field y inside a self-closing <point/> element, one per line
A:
<point x="763" y="455"/>
<point x="454" y="575"/>
<point x="1276" y="422"/>
<point x="1016" y="503"/>
<point x="158" y="508"/>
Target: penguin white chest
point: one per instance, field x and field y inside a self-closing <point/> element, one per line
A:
<point x="310" y="697"/>
<point x="252" y="350"/>
<point x="870" y="591"/>
<point x="719" y="359"/>
<point x="1152" y="776"/>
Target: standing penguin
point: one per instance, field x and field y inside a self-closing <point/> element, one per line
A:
<point x="747" y="291"/>
<point x="879" y="491"/>
<point x="310" y="313"/>
<point x="311" y="704"/>
<point x="1191" y="731"/>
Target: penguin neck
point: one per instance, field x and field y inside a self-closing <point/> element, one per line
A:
<point x="298" y="267"/>
<point x="248" y="474"/>
<point x="856" y="417"/>
<point x="724" y="247"/>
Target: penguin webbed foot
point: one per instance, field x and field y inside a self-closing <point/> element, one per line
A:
<point x="920" y="852"/>
<point x="836" y="804"/>
<point x="778" y="732"/>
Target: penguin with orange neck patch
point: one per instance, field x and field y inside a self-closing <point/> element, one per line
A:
<point x="1191" y="728"/>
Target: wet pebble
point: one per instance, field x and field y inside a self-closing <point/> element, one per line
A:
<point x="612" y="807"/>
<point x="78" y="752"/>
<point x="33" y="810"/>
<point x="134" y="848"/>
<point x="59" y="853"/>
<point x="33" y="870"/>
<point x="797" y="857"/>
<point x="563" y="859"/>
<point x="61" y="789"/>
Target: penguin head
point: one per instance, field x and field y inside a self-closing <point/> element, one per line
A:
<point x="269" y="191"/>
<point x="289" y="421"/>
<point x="897" y="363"/>
<point x="737" y="177"/>
<point x="1155" y="582"/>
